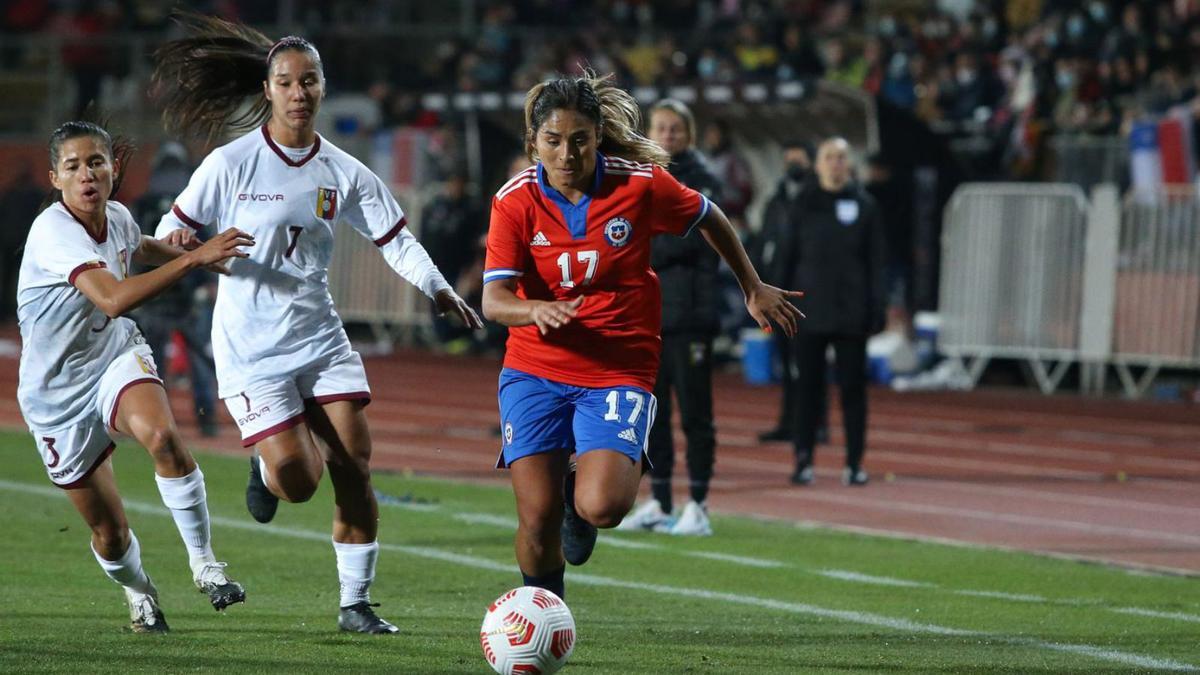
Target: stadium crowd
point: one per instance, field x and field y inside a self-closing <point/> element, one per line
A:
<point x="1043" y="64"/>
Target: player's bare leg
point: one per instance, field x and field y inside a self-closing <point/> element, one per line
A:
<point x="606" y="485"/>
<point x="537" y="482"/>
<point x="341" y="428"/>
<point x="116" y="548"/>
<point x="293" y="463"/>
<point x="599" y="492"/>
<point x="143" y="412"/>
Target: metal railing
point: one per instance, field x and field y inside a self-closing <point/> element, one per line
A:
<point x="365" y="289"/>
<point x="1012" y="277"/>
<point x="1156" y="320"/>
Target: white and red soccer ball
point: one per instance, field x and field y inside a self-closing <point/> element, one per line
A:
<point x="527" y="630"/>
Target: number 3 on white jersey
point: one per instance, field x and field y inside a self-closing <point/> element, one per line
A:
<point x="590" y="258"/>
<point x="638" y="400"/>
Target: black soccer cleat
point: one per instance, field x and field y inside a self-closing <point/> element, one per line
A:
<point x="578" y="535"/>
<point x="222" y="591"/>
<point x="259" y="501"/>
<point x="360" y="618"/>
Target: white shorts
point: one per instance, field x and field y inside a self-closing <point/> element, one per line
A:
<point x="72" y="453"/>
<point x="271" y="405"/>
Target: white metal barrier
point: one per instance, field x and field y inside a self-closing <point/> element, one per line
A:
<point x="1157" y="314"/>
<point x="1012" y="277"/>
<point x="366" y="290"/>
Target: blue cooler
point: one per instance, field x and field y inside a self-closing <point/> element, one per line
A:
<point x="925" y="328"/>
<point x="758" y="357"/>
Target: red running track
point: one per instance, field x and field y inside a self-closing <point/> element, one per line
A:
<point x="1102" y="480"/>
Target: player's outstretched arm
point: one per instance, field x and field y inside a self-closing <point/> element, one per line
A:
<point x="155" y="252"/>
<point x="501" y="304"/>
<point x="765" y="302"/>
<point x="115" y="296"/>
<point x="449" y="302"/>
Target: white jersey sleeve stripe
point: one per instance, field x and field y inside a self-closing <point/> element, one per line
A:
<point x="391" y="234"/>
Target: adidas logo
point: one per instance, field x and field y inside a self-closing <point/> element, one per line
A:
<point x="628" y="435"/>
<point x="539" y="239"/>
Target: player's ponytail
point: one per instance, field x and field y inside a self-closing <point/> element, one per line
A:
<point x="597" y="98"/>
<point x="212" y="78"/>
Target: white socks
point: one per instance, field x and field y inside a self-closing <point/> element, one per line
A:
<point x="189" y="507"/>
<point x="356" y="570"/>
<point x="262" y="470"/>
<point x="127" y="570"/>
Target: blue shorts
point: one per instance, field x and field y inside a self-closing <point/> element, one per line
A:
<point x="539" y="415"/>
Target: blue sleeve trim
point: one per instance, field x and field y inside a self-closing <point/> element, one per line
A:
<point x="492" y="275"/>
<point x="704" y="206"/>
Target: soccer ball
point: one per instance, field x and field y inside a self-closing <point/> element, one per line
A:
<point x="527" y="630"/>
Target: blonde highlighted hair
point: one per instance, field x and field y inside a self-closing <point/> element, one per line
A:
<point x="613" y="110"/>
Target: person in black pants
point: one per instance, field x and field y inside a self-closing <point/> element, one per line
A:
<point x="779" y="216"/>
<point x="687" y="271"/>
<point x="837" y="255"/>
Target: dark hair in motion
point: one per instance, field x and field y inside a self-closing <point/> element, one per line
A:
<point x="120" y="150"/>
<point x="203" y="79"/>
<point x="598" y="99"/>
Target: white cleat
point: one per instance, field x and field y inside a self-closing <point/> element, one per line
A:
<point x="145" y="616"/>
<point x="648" y="516"/>
<point x="692" y="522"/>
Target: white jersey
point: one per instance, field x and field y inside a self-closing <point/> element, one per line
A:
<point x="274" y="315"/>
<point x="67" y="343"/>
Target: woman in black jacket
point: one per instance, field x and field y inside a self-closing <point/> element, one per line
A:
<point x="837" y="255"/>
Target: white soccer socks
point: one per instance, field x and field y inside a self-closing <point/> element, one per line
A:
<point x="188" y="502"/>
<point x="356" y="570"/>
<point x="127" y="570"/>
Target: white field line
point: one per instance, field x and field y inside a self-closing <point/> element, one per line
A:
<point x="857" y="577"/>
<point x="1014" y="597"/>
<point x="993" y="516"/>
<point x="736" y="559"/>
<point x="841" y="575"/>
<point x="1177" y="616"/>
<point x="861" y="618"/>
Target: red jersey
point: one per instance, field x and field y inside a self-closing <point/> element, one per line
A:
<point x="600" y="249"/>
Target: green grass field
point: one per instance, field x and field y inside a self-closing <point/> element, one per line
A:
<point x="759" y="597"/>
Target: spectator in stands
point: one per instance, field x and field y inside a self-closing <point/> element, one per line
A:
<point x="687" y="273"/>
<point x="837" y="253"/>
<point x="186" y="307"/>
<point x="798" y="59"/>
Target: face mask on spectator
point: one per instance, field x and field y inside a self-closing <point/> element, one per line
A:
<point x="1065" y="79"/>
<point x="1075" y="26"/>
<point x="796" y="172"/>
<point x="1099" y="12"/>
<point x="965" y="75"/>
<point x="990" y="28"/>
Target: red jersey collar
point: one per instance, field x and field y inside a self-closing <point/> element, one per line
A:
<point x="103" y="228"/>
<point x="283" y="155"/>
